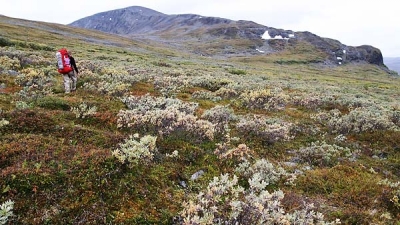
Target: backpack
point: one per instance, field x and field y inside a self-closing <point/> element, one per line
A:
<point x="63" y="63"/>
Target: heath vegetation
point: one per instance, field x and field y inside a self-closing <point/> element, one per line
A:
<point x="155" y="136"/>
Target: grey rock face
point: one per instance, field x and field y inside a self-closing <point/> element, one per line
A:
<point x="345" y="53"/>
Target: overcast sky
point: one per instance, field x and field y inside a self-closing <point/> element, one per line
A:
<point x="352" y="22"/>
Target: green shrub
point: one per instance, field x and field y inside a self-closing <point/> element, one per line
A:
<point x="53" y="103"/>
<point x="5" y="42"/>
<point x="35" y="46"/>
<point x="237" y="72"/>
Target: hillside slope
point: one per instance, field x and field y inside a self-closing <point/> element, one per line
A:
<point x="154" y="135"/>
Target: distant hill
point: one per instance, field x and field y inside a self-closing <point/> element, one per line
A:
<point x="213" y="36"/>
<point x="392" y="63"/>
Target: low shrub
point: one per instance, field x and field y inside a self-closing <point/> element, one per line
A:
<point x="5" y="42"/>
<point x="6" y="211"/>
<point x="83" y="110"/>
<point x="220" y="116"/>
<point x="322" y="154"/>
<point x="161" y="64"/>
<point x="269" y="130"/>
<point x="7" y="63"/>
<point x="227" y="201"/>
<point x="136" y="151"/>
<point x="53" y="103"/>
<point x="358" y="120"/>
<point x="163" y="117"/>
<point x="268" y="99"/>
<point x="27" y="120"/>
<point x="237" y="72"/>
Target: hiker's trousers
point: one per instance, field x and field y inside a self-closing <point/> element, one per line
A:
<point x="70" y="80"/>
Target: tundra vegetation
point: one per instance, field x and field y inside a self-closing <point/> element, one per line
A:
<point x="156" y="136"/>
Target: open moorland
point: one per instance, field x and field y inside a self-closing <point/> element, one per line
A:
<point x="158" y="136"/>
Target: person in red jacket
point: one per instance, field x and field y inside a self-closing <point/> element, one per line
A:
<point x="71" y="78"/>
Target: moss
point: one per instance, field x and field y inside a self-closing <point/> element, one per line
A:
<point x="341" y="181"/>
<point x="350" y="186"/>
<point x="142" y="88"/>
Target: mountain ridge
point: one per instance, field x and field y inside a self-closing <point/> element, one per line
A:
<point x="215" y="36"/>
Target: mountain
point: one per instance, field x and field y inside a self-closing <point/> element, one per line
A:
<point x="213" y="36"/>
<point x="392" y="63"/>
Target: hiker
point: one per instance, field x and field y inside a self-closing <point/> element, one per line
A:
<point x="71" y="76"/>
